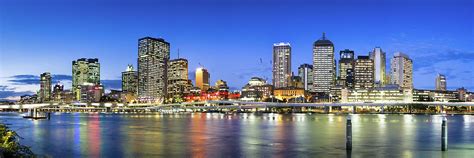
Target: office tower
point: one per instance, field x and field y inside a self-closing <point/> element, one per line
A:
<point x="45" y="87"/>
<point x="440" y="82"/>
<point x="202" y="79"/>
<point x="281" y="64"/>
<point x="84" y="71"/>
<point x="178" y="82"/>
<point x="305" y="72"/>
<point x="130" y="80"/>
<point x="58" y="90"/>
<point x="153" y="58"/>
<point x="323" y="65"/>
<point x="346" y="64"/>
<point x="349" y="80"/>
<point x="378" y="56"/>
<point x="402" y="71"/>
<point x="364" y="73"/>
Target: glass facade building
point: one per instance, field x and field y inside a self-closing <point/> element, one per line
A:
<point x="281" y="65"/>
<point x="153" y="58"/>
<point x="324" y="72"/>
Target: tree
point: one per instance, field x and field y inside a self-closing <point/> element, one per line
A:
<point x="10" y="146"/>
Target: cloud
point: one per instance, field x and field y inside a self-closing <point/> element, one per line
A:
<point x="435" y="55"/>
<point x="8" y="93"/>
<point x="59" y="77"/>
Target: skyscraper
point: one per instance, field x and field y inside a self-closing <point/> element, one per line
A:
<point x="440" y="82"/>
<point x="323" y="65"/>
<point x="281" y="64"/>
<point x="45" y="87"/>
<point x="153" y="58"/>
<point x="346" y="65"/>
<point x="305" y="71"/>
<point x="84" y="71"/>
<point x="202" y="79"/>
<point x="402" y="70"/>
<point x="364" y="73"/>
<point x="130" y="80"/>
<point x="178" y="82"/>
<point x="378" y="56"/>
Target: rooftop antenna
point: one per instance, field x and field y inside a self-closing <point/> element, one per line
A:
<point x="324" y="35"/>
<point x="178" y="53"/>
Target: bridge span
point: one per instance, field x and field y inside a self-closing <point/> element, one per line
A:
<point x="219" y="105"/>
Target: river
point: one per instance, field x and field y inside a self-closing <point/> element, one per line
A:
<point x="242" y="135"/>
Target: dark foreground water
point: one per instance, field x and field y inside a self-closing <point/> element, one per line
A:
<point x="242" y="135"/>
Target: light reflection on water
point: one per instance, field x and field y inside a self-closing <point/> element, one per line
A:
<point x="242" y="135"/>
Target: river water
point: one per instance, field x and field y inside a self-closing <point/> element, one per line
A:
<point x="242" y="135"/>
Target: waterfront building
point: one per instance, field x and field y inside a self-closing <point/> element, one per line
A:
<point x="153" y="58"/>
<point x="336" y="93"/>
<point x="291" y="93"/>
<point x="364" y="73"/>
<point x="423" y="95"/>
<point x="462" y="94"/>
<point x="84" y="71"/>
<point x="297" y="82"/>
<point x="28" y="99"/>
<point x="402" y="70"/>
<point x="45" y="87"/>
<point x="179" y="84"/>
<point x="57" y="92"/>
<point x="440" y="82"/>
<point x="379" y="58"/>
<point x="281" y="65"/>
<point x="256" y="90"/>
<point x="202" y="79"/>
<point x="130" y="80"/>
<point x="90" y="92"/>
<point x="346" y="68"/>
<point x="221" y="85"/>
<point x="323" y="65"/>
<point x="388" y="93"/>
<point x="305" y="72"/>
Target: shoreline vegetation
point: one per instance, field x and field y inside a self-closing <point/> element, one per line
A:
<point x="10" y="146"/>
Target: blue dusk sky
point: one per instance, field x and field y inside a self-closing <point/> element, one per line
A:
<point x="233" y="39"/>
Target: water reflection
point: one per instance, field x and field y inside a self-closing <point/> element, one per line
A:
<point x="242" y="135"/>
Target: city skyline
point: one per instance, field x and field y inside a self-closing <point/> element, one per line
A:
<point x="449" y="49"/>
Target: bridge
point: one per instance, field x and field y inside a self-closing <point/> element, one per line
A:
<point x="219" y="106"/>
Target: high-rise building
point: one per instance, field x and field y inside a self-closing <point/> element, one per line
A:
<point x="84" y="71"/>
<point x="440" y="82"/>
<point x="378" y="56"/>
<point x="45" y="87"/>
<point x="402" y="71"/>
<point x="58" y="90"/>
<point x="305" y="72"/>
<point x="130" y="80"/>
<point x="281" y="64"/>
<point x="202" y="79"/>
<point x="364" y="73"/>
<point x="346" y="65"/>
<point x="178" y="83"/>
<point x="153" y="58"/>
<point x="323" y="65"/>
